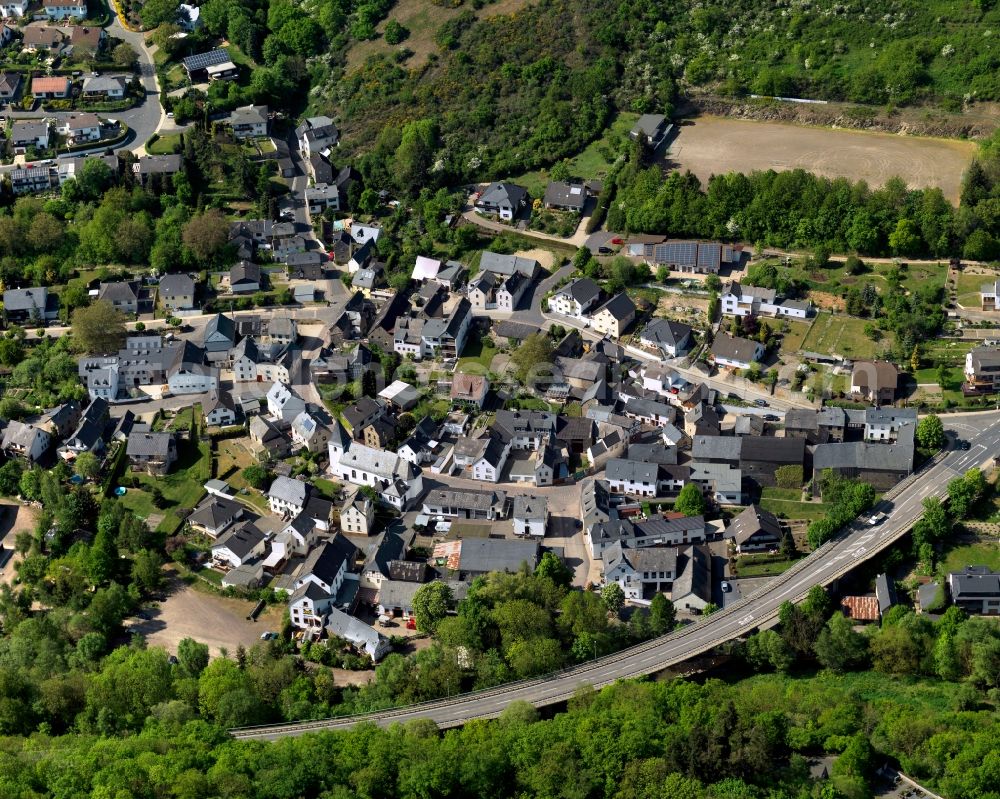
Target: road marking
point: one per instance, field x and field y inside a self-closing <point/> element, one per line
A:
<point x="859" y="552"/>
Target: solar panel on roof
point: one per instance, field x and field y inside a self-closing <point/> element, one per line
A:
<point x="709" y="255"/>
<point x="682" y="253"/>
<point x="203" y="60"/>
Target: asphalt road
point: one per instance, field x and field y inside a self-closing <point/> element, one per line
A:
<point x="855" y="545"/>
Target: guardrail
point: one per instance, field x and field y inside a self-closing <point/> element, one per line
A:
<point x="582" y="670"/>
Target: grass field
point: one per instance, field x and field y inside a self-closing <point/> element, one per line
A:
<point x="834" y="278"/>
<point x="762" y="565"/>
<point x="478" y="355"/>
<point x="790" y="509"/>
<point x="182" y="488"/>
<point x="836" y="334"/>
<point x="967" y="288"/>
<point x="792" y="340"/>
<point x="986" y="554"/>
<point x="166" y="144"/>
<point x="591" y="164"/>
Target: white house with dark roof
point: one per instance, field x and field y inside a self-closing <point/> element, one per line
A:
<point x="214" y="515"/>
<point x="219" y="409"/>
<point x="736" y="352"/>
<point x="755" y="530"/>
<point x="287" y="496"/>
<point x="357" y="514"/>
<point x="28" y="305"/>
<point x="123" y="295"/>
<point x="244" y="278"/>
<point x="284" y="404"/>
<point x="238" y="546"/>
<point x="565" y="196"/>
<point x="641" y="573"/>
<point x="506" y="200"/>
<point x="248" y="121"/>
<point x="576" y="298"/>
<point x="666" y="337"/>
<point x="24" y="441"/>
<point x="176" y="292"/>
<point x="398" y="482"/>
<point x="153" y="453"/>
<point x="530" y="516"/>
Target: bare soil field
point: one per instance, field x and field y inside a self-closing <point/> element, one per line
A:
<point x="422" y="19"/>
<point x="544" y="257"/>
<point x="211" y="619"/>
<point x="714" y="145"/>
<point x="14" y="518"/>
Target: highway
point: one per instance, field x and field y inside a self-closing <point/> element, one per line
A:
<point x="857" y="543"/>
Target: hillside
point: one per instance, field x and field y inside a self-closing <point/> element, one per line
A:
<point x="513" y="91"/>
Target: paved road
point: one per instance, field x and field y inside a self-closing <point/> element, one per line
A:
<point x="858" y="543"/>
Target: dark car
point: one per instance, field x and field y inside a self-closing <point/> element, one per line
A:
<point x="760" y="403"/>
<point x="770" y="417"/>
<point x="964" y="445"/>
<point x="604" y="250"/>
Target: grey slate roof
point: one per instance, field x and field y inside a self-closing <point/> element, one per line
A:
<point x="289" y="490"/>
<point x="530" y="508"/>
<point x="149" y="446"/>
<point x="696" y="574"/>
<point x="752" y="521"/>
<point x="567" y="195"/>
<point x="620" y="306"/>
<point x="666" y="331"/>
<point x="865" y="456"/>
<point x="241" y="540"/>
<point x="215" y="512"/>
<point x="178" y="285"/>
<point x="619" y="469"/>
<point x="492" y="554"/>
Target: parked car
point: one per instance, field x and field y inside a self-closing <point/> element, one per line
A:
<point x="726" y="587"/>
<point x="268" y="636"/>
<point x="760" y="403"/>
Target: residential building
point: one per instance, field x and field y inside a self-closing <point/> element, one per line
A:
<point x="501" y="264"/>
<point x="360" y="414"/>
<point x="219" y="409"/>
<point x="636" y="478"/>
<point x="488" y="466"/>
<point x="176" y="292"/>
<point x="614" y="317"/>
<point x="109" y="87"/>
<point x="398" y="482"/>
<point x="240" y="545"/>
<point x="469" y="389"/>
<point x="31" y="180"/>
<point x="13" y="8"/>
<point x="29" y="306"/>
<point x="193" y="377"/>
<point x="736" y="352"/>
<point x="315" y="135"/>
<point x="244" y="278"/>
<point x="976" y="590"/>
<point x="530" y="516"/>
<point x="755" y="530"/>
<point x="51" y="88"/>
<point x="65" y="9"/>
<point x="61" y="420"/>
<point x="692" y="590"/>
<point x="10" y="82"/>
<point x="283" y="404"/>
<point x="445" y="337"/>
<point x="357" y="514"/>
<point x="762" y="456"/>
<point x="153" y="453"/>
<point x="24" y="441"/>
<point x="148" y="165"/>
<point x="658" y="531"/>
<point x="874" y="382"/>
<point x="577" y="298"/>
<point x="473" y="557"/>
<point x="287" y="496"/>
<point x="816" y="427"/>
<point x="721" y="483"/>
<point x="666" y="337"/>
<point x="890" y="424"/>
<point x="653" y="127"/>
<point x="989" y="294"/>
<point x="123" y="295"/>
<point x="400" y="395"/>
<point x="214" y="515"/>
<point x="24" y="134"/>
<point x="70" y="168"/>
<point x="641" y="573"/>
<point x="268" y="441"/>
<point x="362" y="637"/>
<point x="248" y="121"/>
<point x="326" y="567"/>
<point x="982" y="371"/>
<point x="506" y="200"/>
<point x="80" y="128"/>
<point x="309" y="433"/>
<point x="565" y="196"/>
<point x="321" y="196"/>
<point x="740" y="300"/>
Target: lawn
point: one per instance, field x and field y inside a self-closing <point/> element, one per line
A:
<point x="478" y="354"/>
<point x="797" y="332"/>
<point x="785" y="494"/>
<point x="182" y="488"/>
<point x="946" y="351"/>
<point x="592" y="163"/>
<point x="985" y="554"/>
<point x="165" y="144"/>
<point x="327" y="488"/>
<point x="762" y="565"/>
<point x="231" y="458"/>
<point x="789" y="509"/>
<point x="837" y="334"/>
<point x="954" y="379"/>
<point x="967" y="287"/>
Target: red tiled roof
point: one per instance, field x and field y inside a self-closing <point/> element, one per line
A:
<point x="49" y="85"/>
<point x="860" y="608"/>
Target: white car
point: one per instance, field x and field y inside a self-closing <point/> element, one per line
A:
<point x="877" y="519"/>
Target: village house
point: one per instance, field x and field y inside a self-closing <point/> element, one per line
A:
<point x="564" y="196"/>
<point x="469" y="389"/>
<point x="976" y="589"/>
<point x="176" y="292"/>
<point x="690" y="257"/>
<point x="109" y="87"/>
<point x="24" y="134"/>
<point x="666" y="337"/>
<point x="614" y="317"/>
<point x="287" y="496"/>
<point x="530" y="516"/>
<point x="80" y="128"/>
<point x="657" y="531"/>
<point x="239" y="546"/>
<point x="65" y="9"/>
<point x="640" y="573"/>
<point x="874" y="382"/>
<point x="397" y="482"/>
<point x="735" y="352"/>
<point x="244" y="278"/>
<point x="123" y="295"/>
<point x="988" y="295"/>
<point x="316" y="135"/>
<point x="24" y="441"/>
<point x="982" y="371"/>
<point x="506" y="200"/>
<point x="10" y="82"/>
<point x="219" y="409"/>
<point x="653" y="127"/>
<point x="755" y="530"/>
<point x="214" y="515"/>
<point x="740" y="300"/>
<point x="357" y="514"/>
<point x="882" y="465"/>
<point x="51" y="88"/>
<point x="30" y="305"/>
<point x="576" y="298"/>
<point x="248" y="121"/>
<point x="153" y="453"/>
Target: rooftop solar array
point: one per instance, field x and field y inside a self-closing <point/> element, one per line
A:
<point x="205" y="60"/>
<point x="710" y="256"/>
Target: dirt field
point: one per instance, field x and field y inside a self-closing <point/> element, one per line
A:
<point x="714" y="145"/>
<point x="13" y="519"/>
<point x="208" y="618"/>
<point x="544" y="257"/>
